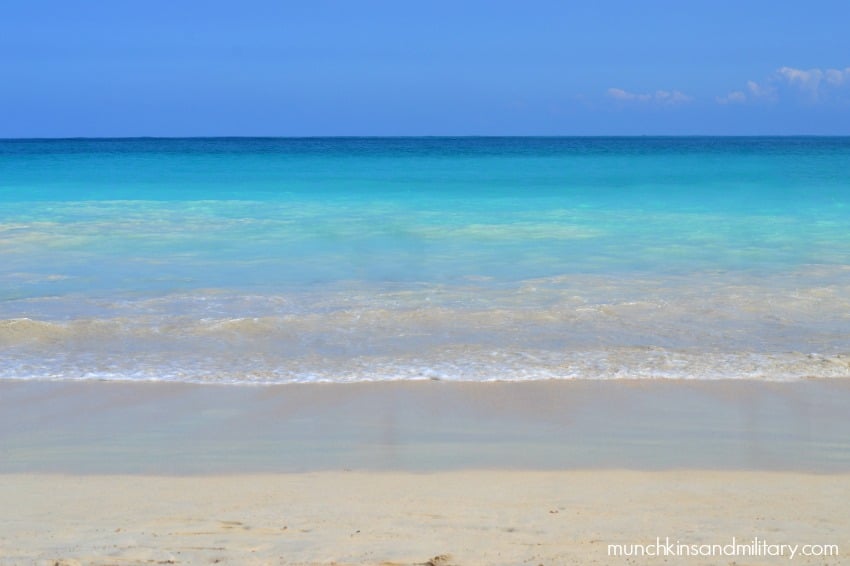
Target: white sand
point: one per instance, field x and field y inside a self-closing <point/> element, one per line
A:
<point x="456" y="517"/>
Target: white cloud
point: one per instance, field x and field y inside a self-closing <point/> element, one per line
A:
<point x="816" y="84"/>
<point x="674" y="97"/>
<point x="806" y="80"/>
<point x="620" y="94"/>
<point x="757" y="90"/>
<point x="665" y="97"/>
<point x="734" y="97"/>
<point x="836" y="77"/>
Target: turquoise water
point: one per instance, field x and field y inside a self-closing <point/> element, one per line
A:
<point x="275" y="260"/>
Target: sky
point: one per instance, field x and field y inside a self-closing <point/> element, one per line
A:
<point x="429" y="67"/>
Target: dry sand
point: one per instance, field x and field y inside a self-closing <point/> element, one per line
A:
<point x="460" y="517"/>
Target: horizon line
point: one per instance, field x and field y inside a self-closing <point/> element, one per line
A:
<point x="413" y="136"/>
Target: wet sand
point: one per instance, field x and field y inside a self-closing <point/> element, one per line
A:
<point x="169" y="428"/>
<point x="418" y="473"/>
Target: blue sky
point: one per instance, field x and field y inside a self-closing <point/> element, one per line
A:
<point x="581" y="67"/>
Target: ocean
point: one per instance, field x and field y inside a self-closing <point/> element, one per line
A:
<point x="277" y="260"/>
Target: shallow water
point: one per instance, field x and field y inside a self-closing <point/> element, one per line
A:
<point x="279" y="260"/>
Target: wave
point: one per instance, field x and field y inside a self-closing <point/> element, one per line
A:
<point x="703" y="326"/>
<point x="270" y="351"/>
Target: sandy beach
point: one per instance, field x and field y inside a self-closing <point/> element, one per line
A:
<point x="419" y="473"/>
<point x="424" y="283"/>
<point x="462" y="517"/>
